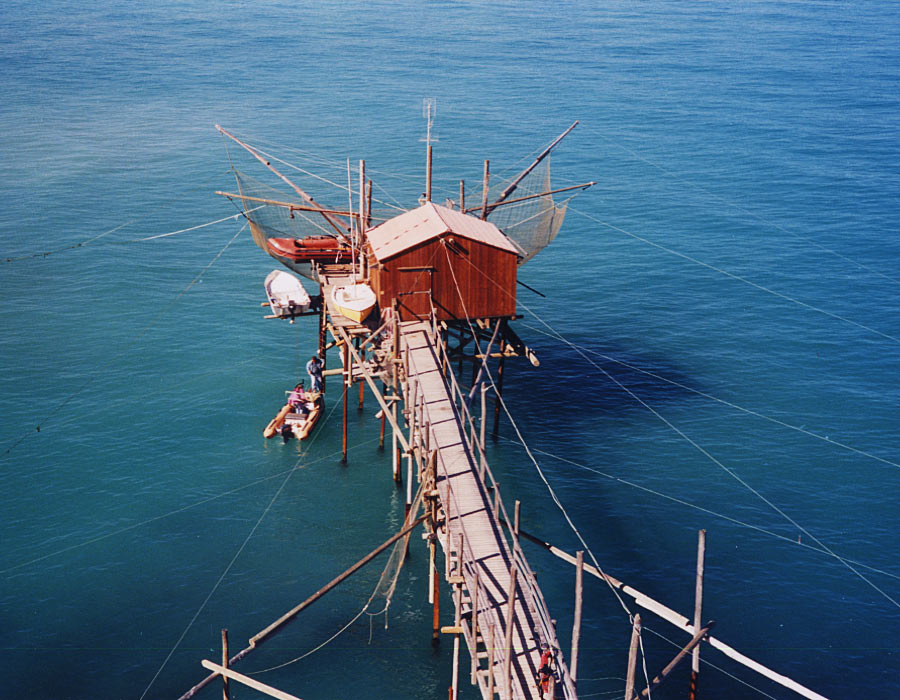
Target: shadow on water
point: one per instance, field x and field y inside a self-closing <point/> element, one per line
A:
<point x="577" y="389"/>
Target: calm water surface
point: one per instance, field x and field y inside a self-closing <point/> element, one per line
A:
<point x="728" y="292"/>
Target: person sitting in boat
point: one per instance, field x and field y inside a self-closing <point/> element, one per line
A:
<point x="297" y="397"/>
<point x="314" y="370"/>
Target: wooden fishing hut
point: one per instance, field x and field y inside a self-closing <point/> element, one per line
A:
<point x="438" y="256"/>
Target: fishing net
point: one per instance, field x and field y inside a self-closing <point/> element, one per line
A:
<point x="387" y="584"/>
<point x="532" y="223"/>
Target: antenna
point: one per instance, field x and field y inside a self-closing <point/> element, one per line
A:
<point x="429" y="111"/>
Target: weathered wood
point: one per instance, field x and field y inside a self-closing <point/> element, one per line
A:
<point x="289" y="205"/>
<point x="346" y="384"/>
<point x="576" y="623"/>
<point x="510" y="624"/>
<point x="428" y="174"/>
<point x="698" y="607"/>
<point x="632" y="657"/>
<point x="484" y="190"/>
<point x="225" y="694"/>
<point x="291" y="614"/>
<point x="339" y="225"/>
<point x="249" y="682"/>
<point x="658" y="680"/>
<point x="582" y="186"/>
<point x="462" y="195"/>
<point x="521" y="176"/>
<point x="680" y="621"/>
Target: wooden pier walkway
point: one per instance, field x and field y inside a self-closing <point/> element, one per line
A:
<point x="482" y="565"/>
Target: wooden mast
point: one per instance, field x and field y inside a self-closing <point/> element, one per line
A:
<point x="336" y="222"/>
<point x="515" y="183"/>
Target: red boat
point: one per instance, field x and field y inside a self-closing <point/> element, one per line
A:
<point x="323" y="249"/>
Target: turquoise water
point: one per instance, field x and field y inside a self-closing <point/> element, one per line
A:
<point x="741" y="242"/>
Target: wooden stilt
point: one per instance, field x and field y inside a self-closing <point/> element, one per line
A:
<point x="510" y="623"/>
<point x="462" y="195"/>
<point x="362" y="385"/>
<point x="491" y="665"/>
<point x="346" y="383"/>
<point x="698" y="607"/>
<point x="226" y="695"/>
<point x="436" y="605"/>
<point x="497" y="399"/>
<point x="455" y="687"/>
<point x="632" y="657"/>
<point x="657" y="680"/>
<point x="484" y="390"/>
<point x="484" y="189"/>
<point x="383" y="418"/>
<point x="576" y="624"/>
<point x="428" y="176"/>
<point x="475" y="628"/>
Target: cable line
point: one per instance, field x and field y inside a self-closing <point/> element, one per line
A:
<point x="746" y="281"/>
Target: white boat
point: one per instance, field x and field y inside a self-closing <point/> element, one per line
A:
<point x="286" y="295"/>
<point x="354" y="301"/>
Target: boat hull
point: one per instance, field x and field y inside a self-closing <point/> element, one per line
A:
<point x="354" y="301"/>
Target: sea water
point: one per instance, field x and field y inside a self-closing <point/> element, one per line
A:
<point x="726" y="297"/>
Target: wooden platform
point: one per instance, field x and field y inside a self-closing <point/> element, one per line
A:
<point x="468" y="511"/>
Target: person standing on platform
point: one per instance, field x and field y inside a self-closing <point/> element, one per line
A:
<point x="314" y="370"/>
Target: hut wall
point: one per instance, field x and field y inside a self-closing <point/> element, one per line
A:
<point x="490" y="294"/>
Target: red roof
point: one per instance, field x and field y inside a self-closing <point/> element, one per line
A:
<point x="430" y="221"/>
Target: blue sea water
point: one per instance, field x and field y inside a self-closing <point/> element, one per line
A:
<point x="728" y="294"/>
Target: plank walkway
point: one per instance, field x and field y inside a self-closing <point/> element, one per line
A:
<point x="467" y="508"/>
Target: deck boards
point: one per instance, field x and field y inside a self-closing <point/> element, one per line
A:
<point x="467" y="506"/>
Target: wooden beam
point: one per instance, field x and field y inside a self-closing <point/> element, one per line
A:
<point x="658" y="680"/>
<point x="249" y="682"/>
<point x="582" y="186"/>
<point x="293" y="612"/>
<point x="698" y="607"/>
<point x="678" y="620"/>
<point x="521" y="176"/>
<point x="288" y="205"/>
<point x="632" y="656"/>
<point x="330" y="218"/>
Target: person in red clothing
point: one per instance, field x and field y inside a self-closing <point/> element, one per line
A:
<point x="545" y="670"/>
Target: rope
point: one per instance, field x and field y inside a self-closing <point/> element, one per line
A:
<point x="704" y="510"/>
<point x="710" y="664"/>
<point x="156" y="518"/>
<point x="721" y="465"/>
<point x="221" y="578"/>
<point x="527" y="449"/>
<point x="58" y="406"/>
<point x="696" y="446"/>
<point x="83" y="244"/>
<point x="746" y="281"/>
<point x="735" y="406"/>
<point x="233" y="217"/>
<point x="743" y="210"/>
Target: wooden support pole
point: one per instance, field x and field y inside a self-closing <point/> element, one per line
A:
<point x="508" y="644"/>
<point x="383" y="419"/>
<point x="632" y="657"/>
<point x="499" y="395"/>
<point x="428" y="175"/>
<point x="657" y="680"/>
<point x="462" y="195"/>
<point x="576" y="624"/>
<point x="454" y="688"/>
<point x="698" y="608"/>
<point x="368" y="204"/>
<point x="680" y="621"/>
<point x="516" y="510"/>
<point x="362" y="386"/>
<point x="475" y="627"/>
<point x="484" y="191"/>
<point x="436" y="595"/>
<point x="484" y="390"/>
<point x="346" y="382"/>
<point x="291" y="614"/>
<point x="249" y="682"/>
<point x="491" y="664"/>
<point x="225" y="694"/>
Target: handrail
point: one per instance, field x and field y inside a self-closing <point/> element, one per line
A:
<point x="528" y="588"/>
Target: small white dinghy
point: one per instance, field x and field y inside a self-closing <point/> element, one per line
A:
<point x="354" y="301"/>
<point x="286" y="295"/>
